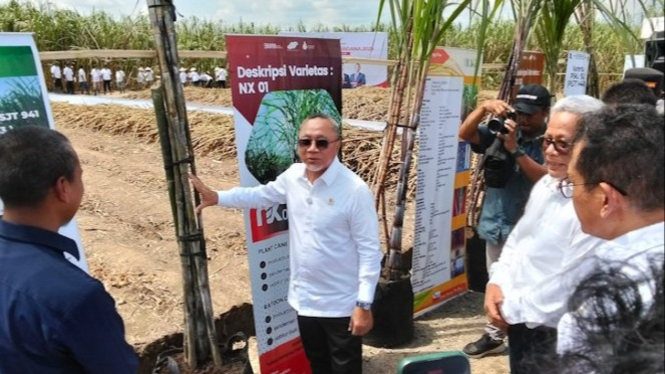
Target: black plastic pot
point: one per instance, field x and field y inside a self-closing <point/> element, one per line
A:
<point x="393" y="314"/>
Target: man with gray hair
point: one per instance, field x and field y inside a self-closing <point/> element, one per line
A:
<point x="335" y="258"/>
<point x="537" y="246"/>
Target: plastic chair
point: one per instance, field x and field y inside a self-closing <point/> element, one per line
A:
<point x="453" y="362"/>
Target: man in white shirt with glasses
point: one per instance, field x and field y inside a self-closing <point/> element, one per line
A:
<point x="335" y="254"/>
<point x="537" y="245"/>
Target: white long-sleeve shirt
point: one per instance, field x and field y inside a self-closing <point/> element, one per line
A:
<point x="81" y="75"/>
<point x="335" y="256"/>
<point x="637" y="251"/>
<point x="548" y="236"/>
<point x="56" y="72"/>
<point x="69" y="74"/>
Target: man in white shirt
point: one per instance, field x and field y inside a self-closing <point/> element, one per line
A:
<point x="334" y="245"/>
<point x="107" y="77"/>
<point x="149" y="76"/>
<point x="56" y="73"/>
<point x="83" y="81"/>
<point x="96" y="76"/>
<point x="183" y="76"/>
<point x="206" y="80"/>
<point x="537" y="245"/>
<point x="194" y="77"/>
<point x="617" y="183"/>
<point x="68" y="71"/>
<point x="220" y="77"/>
<point x="120" y="80"/>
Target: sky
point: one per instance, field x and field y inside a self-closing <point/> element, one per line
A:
<point x="275" y="12"/>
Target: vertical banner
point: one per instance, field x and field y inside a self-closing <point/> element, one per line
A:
<point x="530" y="71"/>
<point x="365" y="45"/>
<point x="278" y="81"/>
<point x="439" y="253"/>
<point x="24" y="102"/>
<point x="576" y="73"/>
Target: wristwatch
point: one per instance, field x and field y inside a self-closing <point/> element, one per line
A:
<point x="363" y="305"/>
<point x="519" y="152"/>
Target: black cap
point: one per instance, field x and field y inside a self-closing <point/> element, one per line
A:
<point x="651" y="77"/>
<point x="531" y="98"/>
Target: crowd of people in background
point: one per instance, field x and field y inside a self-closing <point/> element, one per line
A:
<point x="66" y="79"/>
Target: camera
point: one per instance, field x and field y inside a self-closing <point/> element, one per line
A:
<point x="498" y="124"/>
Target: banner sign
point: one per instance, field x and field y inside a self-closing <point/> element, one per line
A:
<point x="278" y="81"/>
<point x="439" y="252"/>
<point x="24" y="102"/>
<point x="371" y="45"/>
<point x="576" y="73"/>
<point x="530" y="70"/>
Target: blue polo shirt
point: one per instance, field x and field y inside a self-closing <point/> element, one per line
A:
<point x="55" y="318"/>
<point x="503" y="207"/>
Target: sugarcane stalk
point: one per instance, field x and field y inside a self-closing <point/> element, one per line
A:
<point x="395" y="268"/>
<point x="200" y="342"/>
<point x="395" y="113"/>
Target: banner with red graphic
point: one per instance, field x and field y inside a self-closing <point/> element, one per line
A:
<point x="278" y="81"/>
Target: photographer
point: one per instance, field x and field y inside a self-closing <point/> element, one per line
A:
<point x="513" y="164"/>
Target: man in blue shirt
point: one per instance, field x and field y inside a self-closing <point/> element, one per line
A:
<point x="54" y="318"/>
<point x="520" y="140"/>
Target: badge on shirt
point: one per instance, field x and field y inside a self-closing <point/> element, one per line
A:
<point x="331" y="201"/>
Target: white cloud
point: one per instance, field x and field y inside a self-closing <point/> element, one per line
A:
<point x="283" y="13"/>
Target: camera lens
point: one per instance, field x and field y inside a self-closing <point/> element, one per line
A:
<point x="496" y="125"/>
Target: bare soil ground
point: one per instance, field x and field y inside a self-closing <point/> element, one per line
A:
<point x="126" y="226"/>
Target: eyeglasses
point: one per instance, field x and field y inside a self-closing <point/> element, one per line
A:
<point x="560" y="146"/>
<point x="321" y="144"/>
<point x="566" y="187"/>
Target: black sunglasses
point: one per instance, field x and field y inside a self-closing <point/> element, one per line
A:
<point x="320" y="143"/>
<point x="560" y="146"/>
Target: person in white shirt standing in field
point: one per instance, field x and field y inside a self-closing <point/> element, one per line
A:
<point x="120" y="80"/>
<point x="96" y="76"/>
<point x="220" y="77"/>
<point x="68" y="71"/>
<point x="107" y="77"/>
<point x="616" y="180"/>
<point x="335" y="256"/>
<point x="149" y="76"/>
<point x="83" y="81"/>
<point x="194" y="77"/>
<point x="538" y="244"/>
<point x="183" y="76"/>
<point x="56" y="73"/>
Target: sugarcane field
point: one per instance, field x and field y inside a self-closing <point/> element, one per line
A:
<point x="332" y="187"/>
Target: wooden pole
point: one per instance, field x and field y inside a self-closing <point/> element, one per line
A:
<point x="200" y="338"/>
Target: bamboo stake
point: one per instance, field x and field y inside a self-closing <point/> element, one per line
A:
<point x="200" y="343"/>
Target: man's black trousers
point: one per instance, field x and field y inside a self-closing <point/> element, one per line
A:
<point x="329" y="345"/>
<point x="526" y="346"/>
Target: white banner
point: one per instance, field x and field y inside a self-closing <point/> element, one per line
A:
<point x="439" y="252"/>
<point x="21" y="74"/>
<point x="372" y="45"/>
<point x="576" y="73"/>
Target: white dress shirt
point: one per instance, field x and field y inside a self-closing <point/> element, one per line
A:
<point x="335" y="256"/>
<point x="221" y="74"/>
<point x="548" y="235"/>
<point x="56" y="72"/>
<point x="106" y="74"/>
<point x="82" y="75"/>
<point x="96" y="75"/>
<point x="69" y="74"/>
<point x="637" y="250"/>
